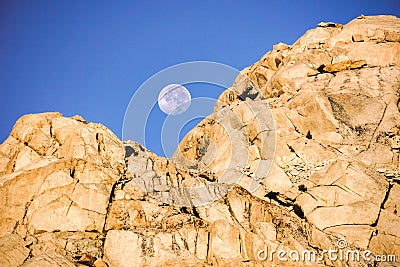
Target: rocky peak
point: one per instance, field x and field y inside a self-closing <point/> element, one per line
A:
<point x="325" y="173"/>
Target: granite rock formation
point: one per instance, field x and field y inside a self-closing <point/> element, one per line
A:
<point x="73" y="194"/>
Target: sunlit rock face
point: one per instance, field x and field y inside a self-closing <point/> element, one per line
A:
<point x="72" y="194"/>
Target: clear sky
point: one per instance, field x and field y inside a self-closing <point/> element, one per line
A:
<point x="89" y="57"/>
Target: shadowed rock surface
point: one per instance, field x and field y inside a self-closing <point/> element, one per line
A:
<point x="72" y="194"/>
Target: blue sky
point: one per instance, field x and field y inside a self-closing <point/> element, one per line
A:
<point x="89" y="57"/>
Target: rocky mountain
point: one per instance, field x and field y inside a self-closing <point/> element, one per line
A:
<point x="324" y="175"/>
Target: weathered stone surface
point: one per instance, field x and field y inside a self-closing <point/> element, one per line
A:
<point x="146" y="250"/>
<point x="392" y="36"/>
<point x="48" y="259"/>
<point x="72" y="194"/>
<point x="386" y="239"/>
<point x="12" y="250"/>
<point x="69" y="179"/>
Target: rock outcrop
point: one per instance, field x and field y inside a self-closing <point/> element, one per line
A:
<point x="325" y="175"/>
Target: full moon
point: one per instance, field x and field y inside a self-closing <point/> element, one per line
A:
<point x="174" y="99"/>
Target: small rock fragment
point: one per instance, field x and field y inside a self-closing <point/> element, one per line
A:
<point x="330" y="24"/>
<point x="345" y="65"/>
<point x="280" y="47"/>
<point x="100" y="263"/>
<point x="357" y="37"/>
